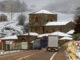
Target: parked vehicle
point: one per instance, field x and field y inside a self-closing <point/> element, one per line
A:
<point x="52" y="43"/>
<point x="36" y="44"/>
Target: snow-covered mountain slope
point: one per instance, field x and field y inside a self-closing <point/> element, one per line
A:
<point x="11" y="26"/>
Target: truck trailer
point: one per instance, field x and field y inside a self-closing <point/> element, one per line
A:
<point x="36" y="44"/>
<point x="52" y="43"/>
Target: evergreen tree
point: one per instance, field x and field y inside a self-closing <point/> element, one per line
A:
<point x="21" y="19"/>
<point x="77" y="25"/>
<point x="76" y="35"/>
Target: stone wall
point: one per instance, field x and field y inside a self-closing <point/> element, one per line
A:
<point x="25" y="38"/>
<point x="41" y="19"/>
<point x="62" y="28"/>
<point x="36" y="21"/>
<point x="37" y="29"/>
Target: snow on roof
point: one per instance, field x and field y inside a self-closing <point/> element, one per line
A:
<point x="10" y="37"/>
<point x="44" y="11"/>
<point x="56" y="23"/>
<point x="55" y="33"/>
<point x="42" y="35"/>
<point x="60" y="34"/>
<point x="32" y="34"/>
<point x="66" y="38"/>
<point x="70" y="32"/>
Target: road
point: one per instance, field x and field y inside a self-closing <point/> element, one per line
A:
<point x="41" y="56"/>
<point x="28" y="55"/>
<point x="60" y="56"/>
<point x="33" y="55"/>
<point x="16" y="56"/>
<point x="48" y="55"/>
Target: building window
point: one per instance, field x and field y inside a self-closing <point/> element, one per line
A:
<point x="36" y="19"/>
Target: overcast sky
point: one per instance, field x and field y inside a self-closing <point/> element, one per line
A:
<point x="53" y="5"/>
<point x="58" y="5"/>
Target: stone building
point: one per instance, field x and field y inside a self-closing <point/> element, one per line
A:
<point x="38" y="19"/>
<point x="58" y="26"/>
<point x="28" y="37"/>
<point x="38" y="22"/>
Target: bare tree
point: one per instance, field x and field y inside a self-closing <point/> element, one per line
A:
<point x="13" y="5"/>
<point x="21" y="19"/>
<point x="26" y="27"/>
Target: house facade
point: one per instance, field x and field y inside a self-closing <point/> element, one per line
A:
<point x="38" y="21"/>
<point x="63" y="27"/>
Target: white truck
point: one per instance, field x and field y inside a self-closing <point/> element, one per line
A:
<point x="52" y="43"/>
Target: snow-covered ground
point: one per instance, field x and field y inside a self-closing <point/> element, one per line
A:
<point x="12" y="24"/>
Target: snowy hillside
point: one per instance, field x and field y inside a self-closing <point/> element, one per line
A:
<point x="11" y="26"/>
